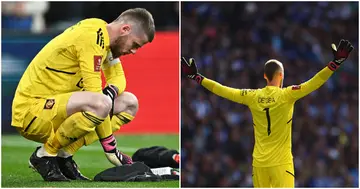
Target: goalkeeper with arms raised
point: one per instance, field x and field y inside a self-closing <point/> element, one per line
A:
<point x="272" y="110"/>
<point x="60" y="102"/>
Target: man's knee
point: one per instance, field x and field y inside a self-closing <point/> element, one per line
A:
<point x="96" y="103"/>
<point x="126" y="102"/>
<point x="103" y="105"/>
<point x="100" y="105"/>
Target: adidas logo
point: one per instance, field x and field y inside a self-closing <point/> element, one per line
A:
<point x="100" y="38"/>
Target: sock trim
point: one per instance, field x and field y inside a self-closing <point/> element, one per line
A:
<point x="92" y="118"/>
<point x="124" y="117"/>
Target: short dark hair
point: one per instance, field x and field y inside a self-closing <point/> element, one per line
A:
<point x="270" y="69"/>
<point x="142" y="17"/>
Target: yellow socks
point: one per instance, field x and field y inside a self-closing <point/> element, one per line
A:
<point x="116" y="122"/>
<point x="73" y="128"/>
<point x="120" y="119"/>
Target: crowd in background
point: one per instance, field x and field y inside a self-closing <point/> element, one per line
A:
<point x="231" y="42"/>
<point x="45" y="16"/>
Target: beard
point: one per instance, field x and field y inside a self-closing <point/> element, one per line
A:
<point x="117" y="48"/>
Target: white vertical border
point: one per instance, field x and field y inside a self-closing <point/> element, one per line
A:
<point x="179" y="91"/>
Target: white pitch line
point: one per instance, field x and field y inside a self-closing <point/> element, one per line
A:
<point x="23" y="143"/>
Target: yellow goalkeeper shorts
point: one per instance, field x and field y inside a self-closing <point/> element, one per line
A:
<point x="281" y="176"/>
<point x="44" y="117"/>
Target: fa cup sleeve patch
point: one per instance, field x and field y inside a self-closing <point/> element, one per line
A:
<point x="97" y="63"/>
<point x="49" y="104"/>
<point x="296" y="87"/>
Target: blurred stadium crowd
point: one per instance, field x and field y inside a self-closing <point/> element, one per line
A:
<point x="44" y="16"/>
<point x="231" y="42"/>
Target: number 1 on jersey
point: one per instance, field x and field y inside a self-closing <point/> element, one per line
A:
<point x="268" y="119"/>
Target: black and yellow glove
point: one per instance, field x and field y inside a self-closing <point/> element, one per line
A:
<point x="341" y="53"/>
<point x="190" y="70"/>
<point x="111" y="91"/>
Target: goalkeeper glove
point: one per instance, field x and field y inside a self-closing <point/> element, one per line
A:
<point x="190" y="70"/>
<point x="341" y="53"/>
<point x="112" y="92"/>
<point x="112" y="154"/>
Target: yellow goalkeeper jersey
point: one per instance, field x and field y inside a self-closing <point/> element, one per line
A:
<point x="70" y="62"/>
<point x="272" y="110"/>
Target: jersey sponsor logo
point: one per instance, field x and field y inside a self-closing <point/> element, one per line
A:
<point x="266" y="100"/>
<point x="97" y="63"/>
<point x="296" y="87"/>
<point x="100" y="38"/>
<point x="49" y="104"/>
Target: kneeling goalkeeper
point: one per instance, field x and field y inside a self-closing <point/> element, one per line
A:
<point x="59" y="100"/>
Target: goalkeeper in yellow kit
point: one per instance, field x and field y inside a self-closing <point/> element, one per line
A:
<point x="272" y="110"/>
<point x="60" y="102"/>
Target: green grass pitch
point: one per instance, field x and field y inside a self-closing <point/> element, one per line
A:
<point x="16" y="151"/>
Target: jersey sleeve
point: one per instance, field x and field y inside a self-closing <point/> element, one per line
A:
<point x="114" y="73"/>
<point x="242" y="96"/>
<point x="90" y="57"/>
<point x="296" y="92"/>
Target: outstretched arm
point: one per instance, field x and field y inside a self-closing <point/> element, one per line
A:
<point x="341" y="53"/>
<point x="237" y="95"/>
<point x="296" y="92"/>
